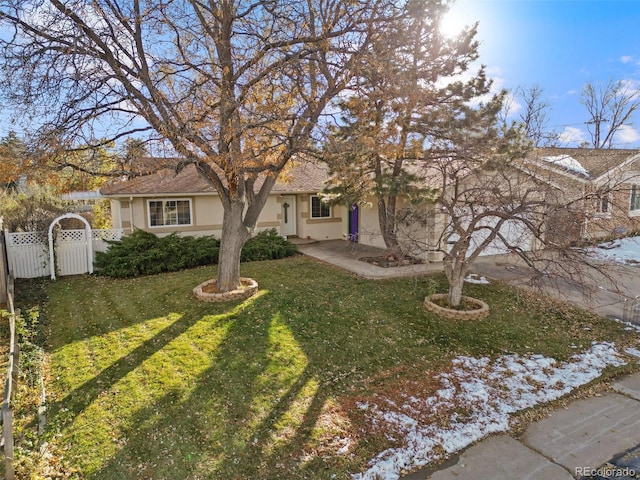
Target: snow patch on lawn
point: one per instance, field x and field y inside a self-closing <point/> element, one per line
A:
<point x="477" y="279"/>
<point x="633" y="351"/>
<point x="480" y="395"/>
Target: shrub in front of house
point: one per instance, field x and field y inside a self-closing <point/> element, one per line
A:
<point x="267" y="245"/>
<point x="143" y="253"/>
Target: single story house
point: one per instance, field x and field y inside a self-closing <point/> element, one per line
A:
<point x="601" y="189"/>
<point x="165" y="201"/>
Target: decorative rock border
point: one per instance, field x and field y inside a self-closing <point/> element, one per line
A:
<point x="248" y="289"/>
<point x="481" y="311"/>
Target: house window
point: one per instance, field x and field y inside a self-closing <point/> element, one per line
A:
<point x="319" y="209"/>
<point x="603" y="202"/>
<point x="635" y="199"/>
<point x="169" y="212"/>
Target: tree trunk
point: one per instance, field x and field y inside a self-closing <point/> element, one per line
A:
<point x="387" y="222"/>
<point x="455" y="271"/>
<point x="455" y="291"/>
<point x="234" y="236"/>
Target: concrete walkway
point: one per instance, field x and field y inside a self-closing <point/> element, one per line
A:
<point x="598" y="437"/>
<point x="595" y="438"/>
<point x="347" y="255"/>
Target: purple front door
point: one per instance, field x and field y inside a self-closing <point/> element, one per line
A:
<point x="353" y="223"/>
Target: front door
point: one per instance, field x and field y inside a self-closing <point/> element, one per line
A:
<point x="288" y="216"/>
<point x="353" y="223"/>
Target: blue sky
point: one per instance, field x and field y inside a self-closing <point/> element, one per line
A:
<point x="560" y="45"/>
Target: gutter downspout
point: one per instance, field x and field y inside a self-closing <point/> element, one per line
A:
<point x="131" y="214"/>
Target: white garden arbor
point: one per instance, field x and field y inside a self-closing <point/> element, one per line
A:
<point x="78" y="241"/>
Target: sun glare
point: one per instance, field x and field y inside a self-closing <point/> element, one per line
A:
<point x="460" y="15"/>
<point x="452" y="24"/>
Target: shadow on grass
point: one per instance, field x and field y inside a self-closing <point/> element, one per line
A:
<point x="268" y="372"/>
<point x="88" y="306"/>
<point x="80" y="398"/>
<point x="248" y="415"/>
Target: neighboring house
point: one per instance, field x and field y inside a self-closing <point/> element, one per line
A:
<point x="609" y="180"/>
<point x="602" y="187"/>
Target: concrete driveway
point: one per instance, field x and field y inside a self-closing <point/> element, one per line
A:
<point x="605" y="292"/>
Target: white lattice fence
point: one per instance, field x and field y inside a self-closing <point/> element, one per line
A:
<point x="100" y="238"/>
<point x="71" y="252"/>
<point x="28" y="253"/>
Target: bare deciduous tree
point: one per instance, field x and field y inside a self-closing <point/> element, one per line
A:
<point x="610" y="107"/>
<point x="534" y="115"/>
<point x="480" y="194"/>
<point x="236" y="88"/>
<point x="540" y="205"/>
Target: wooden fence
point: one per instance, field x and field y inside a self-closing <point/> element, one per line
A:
<point x="4" y="270"/>
<point x="10" y="386"/>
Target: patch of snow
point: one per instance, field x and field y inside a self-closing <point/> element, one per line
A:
<point x="477" y="279"/>
<point x="633" y="351"/>
<point x="488" y="392"/>
<point x="568" y="163"/>
<point x="612" y="244"/>
<point x="625" y="250"/>
<point x="346" y="444"/>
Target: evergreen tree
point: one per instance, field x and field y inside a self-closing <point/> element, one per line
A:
<point x="406" y="96"/>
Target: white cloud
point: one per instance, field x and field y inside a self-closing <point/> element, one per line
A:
<point x="572" y="136"/>
<point x="630" y="87"/>
<point x="512" y="105"/>
<point x="626" y="59"/>
<point x="626" y="134"/>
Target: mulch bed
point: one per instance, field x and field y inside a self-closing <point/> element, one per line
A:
<point x="391" y="260"/>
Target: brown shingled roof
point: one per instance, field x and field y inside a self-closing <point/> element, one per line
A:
<point x="301" y="177"/>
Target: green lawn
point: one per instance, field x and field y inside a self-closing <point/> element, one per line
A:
<point x="145" y="382"/>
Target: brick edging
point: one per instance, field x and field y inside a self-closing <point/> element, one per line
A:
<point x="250" y="287"/>
<point x="450" y="313"/>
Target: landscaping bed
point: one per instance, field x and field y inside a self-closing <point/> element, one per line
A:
<point x="145" y="381"/>
<point x="391" y="260"/>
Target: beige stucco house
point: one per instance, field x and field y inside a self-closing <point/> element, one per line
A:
<point x="600" y="188"/>
<point x="166" y="202"/>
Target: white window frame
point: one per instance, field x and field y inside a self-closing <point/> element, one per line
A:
<point x="164" y="203"/>
<point x="634" y="194"/>
<point x="322" y="204"/>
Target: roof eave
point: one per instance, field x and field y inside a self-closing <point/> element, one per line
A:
<point x="606" y="175"/>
